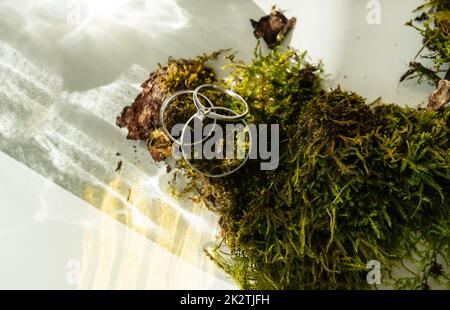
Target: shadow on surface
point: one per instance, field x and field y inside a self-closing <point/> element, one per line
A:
<point x="106" y="40"/>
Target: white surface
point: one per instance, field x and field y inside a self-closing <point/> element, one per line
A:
<point x="362" y="57"/>
<point x="50" y="239"/>
<point x="83" y="74"/>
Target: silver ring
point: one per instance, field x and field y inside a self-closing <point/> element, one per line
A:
<point x="210" y="174"/>
<point x="214" y="115"/>
<point x="170" y="99"/>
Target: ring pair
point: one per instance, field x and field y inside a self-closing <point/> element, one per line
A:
<point x="202" y="110"/>
<point x="206" y="112"/>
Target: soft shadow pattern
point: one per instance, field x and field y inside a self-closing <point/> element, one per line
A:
<point x="109" y="39"/>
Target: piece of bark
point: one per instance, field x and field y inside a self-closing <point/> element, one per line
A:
<point x="142" y="117"/>
<point x="440" y="96"/>
<point x="273" y="27"/>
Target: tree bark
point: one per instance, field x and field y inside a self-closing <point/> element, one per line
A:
<point x="440" y="96"/>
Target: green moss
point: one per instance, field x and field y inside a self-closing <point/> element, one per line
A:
<point x="356" y="182"/>
<point x="276" y="86"/>
<point x="434" y="26"/>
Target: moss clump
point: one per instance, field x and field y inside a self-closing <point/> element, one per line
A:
<point x="434" y="26"/>
<point x="356" y="182"/>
